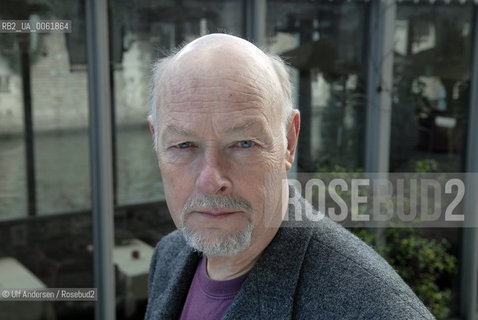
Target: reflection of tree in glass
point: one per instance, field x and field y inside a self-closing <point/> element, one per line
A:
<point x="342" y="126"/>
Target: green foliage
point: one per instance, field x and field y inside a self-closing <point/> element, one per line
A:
<point x="423" y="263"/>
<point x="426" y="165"/>
<point x="342" y="121"/>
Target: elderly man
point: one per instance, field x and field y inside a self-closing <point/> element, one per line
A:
<point x="225" y="134"/>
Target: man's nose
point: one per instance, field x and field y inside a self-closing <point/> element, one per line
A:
<point x="213" y="176"/>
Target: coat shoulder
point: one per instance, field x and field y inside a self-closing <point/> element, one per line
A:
<point x="352" y="279"/>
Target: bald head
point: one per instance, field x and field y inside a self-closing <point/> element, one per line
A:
<point x="224" y="58"/>
<point x="219" y="43"/>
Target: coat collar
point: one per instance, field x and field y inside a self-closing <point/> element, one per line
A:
<point x="270" y="287"/>
<point x="170" y="302"/>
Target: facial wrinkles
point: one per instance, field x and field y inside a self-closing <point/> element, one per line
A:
<point x="219" y="103"/>
<point x="211" y="124"/>
<point x="210" y="130"/>
<point x="201" y="89"/>
<point x="204" y="90"/>
<point x="213" y="138"/>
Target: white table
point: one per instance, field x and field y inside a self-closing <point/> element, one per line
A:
<point x="134" y="271"/>
<point x="15" y="275"/>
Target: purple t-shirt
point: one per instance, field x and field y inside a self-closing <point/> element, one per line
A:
<point x="207" y="298"/>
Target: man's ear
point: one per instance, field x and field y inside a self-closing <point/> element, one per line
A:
<point x="292" y="136"/>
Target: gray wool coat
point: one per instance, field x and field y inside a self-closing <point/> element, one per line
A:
<point x="318" y="271"/>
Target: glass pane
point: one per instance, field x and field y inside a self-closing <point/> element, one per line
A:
<point x="60" y="120"/>
<point x="431" y="88"/>
<point x="62" y="167"/>
<point x="429" y="116"/>
<point x="324" y="42"/>
<point x="42" y="247"/>
<point x="13" y="192"/>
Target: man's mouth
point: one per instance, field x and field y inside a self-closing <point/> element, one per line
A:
<point x="215" y="213"/>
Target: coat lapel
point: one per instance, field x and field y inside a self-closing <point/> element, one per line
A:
<point x="270" y="287"/>
<point x="170" y="302"/>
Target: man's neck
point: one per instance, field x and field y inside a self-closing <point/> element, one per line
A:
<point x="229" y="267"/>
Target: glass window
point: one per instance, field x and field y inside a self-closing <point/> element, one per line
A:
<point x="13" y="191"/>
<point x="44" y="161"/>
<point x="12" y="158"/>
<point x="60" y="120"/>
<point x="431" y="87"/>
<point x="430" y="108"/>
<point x="324" y="43"/>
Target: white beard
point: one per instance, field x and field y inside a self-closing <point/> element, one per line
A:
<point x="219" y="246"/>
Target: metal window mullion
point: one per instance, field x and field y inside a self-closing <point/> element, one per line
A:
<point x="100" y="155"/>
<point x="28" y="124"/>
<point x="470" y="235"/>
<point x="259" y="16"/>
<point x="379" y="85"/>
<point x="247" y="20"/>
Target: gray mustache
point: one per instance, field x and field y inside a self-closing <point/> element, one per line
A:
<point x="215" y="202"/>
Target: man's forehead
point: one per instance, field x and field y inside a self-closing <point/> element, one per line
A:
<point x="200" y="87"/>
<point x="195" y="93"/>
<point x="220" y="54"/>
<point x="218" y="73"/>
<point x="233" y="126"/>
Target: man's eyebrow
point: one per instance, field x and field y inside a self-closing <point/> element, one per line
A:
<point x="236" y="128"/>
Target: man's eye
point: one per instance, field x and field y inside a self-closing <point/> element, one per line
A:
<point x="184" y="145"/>
<point x="245" y="144"/>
